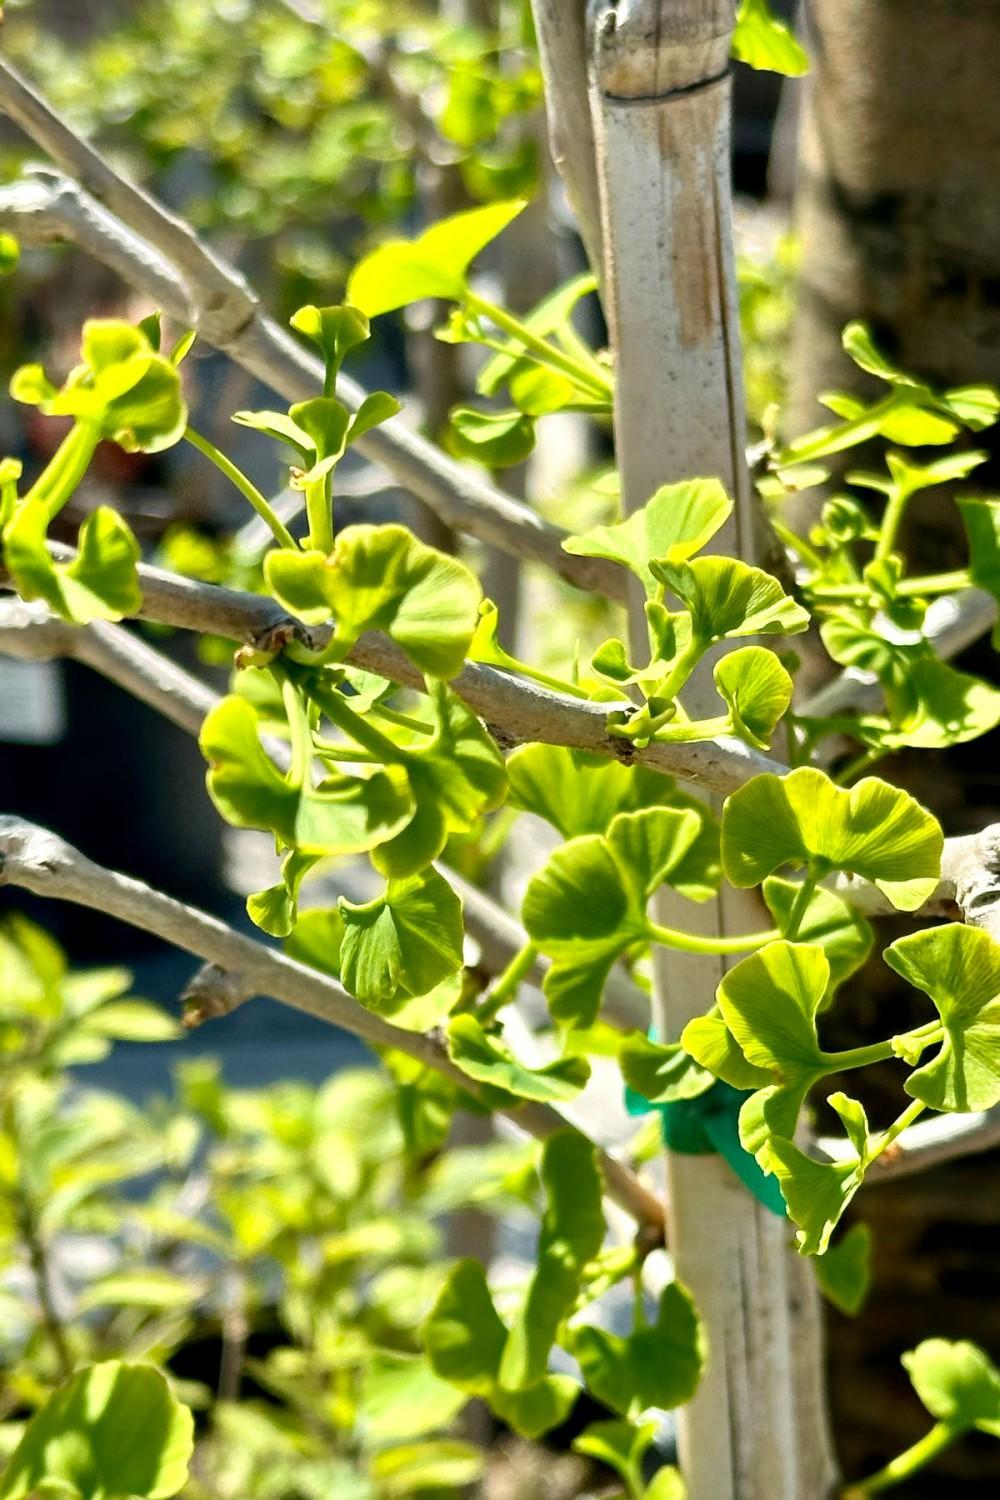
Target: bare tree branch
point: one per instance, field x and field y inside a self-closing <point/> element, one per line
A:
<point x="37" y="860"/>
<point x="209" y="293"/>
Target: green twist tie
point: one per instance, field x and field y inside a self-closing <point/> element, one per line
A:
<point x="709" y="1125"/>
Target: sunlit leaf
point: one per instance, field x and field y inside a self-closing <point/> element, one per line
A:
<point x="873" y="830"/>
<point x="844" y="1271"/>
<point x="403" y="943"/>
<point x="957" y="1382"/>
<point x="762" y="41"/>
<point x="728" y="598"/>
<point x="112" y="1430"/>
<point x="757" y="691"/>
<point x="959" y="968"/>
<point x="658" y="1365"/>
<point x="486" y="1059"/>
<point x="672" y="526"/>
<point x="433" y="265"/>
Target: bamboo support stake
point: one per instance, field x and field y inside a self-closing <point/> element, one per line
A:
<point x="756" y="1429"/>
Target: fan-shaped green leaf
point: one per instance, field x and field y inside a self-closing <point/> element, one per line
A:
<point x="873" y="830"/>
<point x="112" y="1430"/>
<point x="344" y="815"/>
<point x="571" y="1234"/>
<point x="384" y="578"/>
<point x="757" y="691"/>
<point x="486" y="1059"/>
<point x="403" y="943"/>
<point x="957" y="1382"/>
<point x="494" y="438"/>
<point x="672" y="526"/>
<point x="959" y="968"/>
<point x="101" y="582"/>
<point x="433" y="265"/>
<point x="658" y="1365"/>
<point x="728" y="598"/>
<point x="843" y="1271"/>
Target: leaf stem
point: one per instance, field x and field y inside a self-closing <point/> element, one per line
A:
<point x="892" y="518"/>
<point x="319" y="513"/>
<point x="249" y="491"/>
<point x="907" y="1463"/>
<point x="936" y="583"/>
<point x="299" y="734"/>
<point x="800" y="905"/>
<point x="67" y="466"/>
<point x="911" y="1113"/>
<point x="544" y="352"/>
<point x="688" y="942"/>
<point x="508" y="983"/>
<point x="340" y="712"/>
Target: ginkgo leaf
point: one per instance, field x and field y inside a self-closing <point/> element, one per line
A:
<point x="658" y="1365"/>
<point x="957" y="1382"/>
<point x="959" y="968"/>
<point x="757" y="691"/>
<point x="728" y="598"/>
<point x="588" y="903"/>
<point x="873" y="830"/>
<point x="435" y="264"/>
<point x="403" y="943"/>
<point x="762" y="41"/>
<point x="343" y="815"/>
<point x="843" y="1271"/>
<point x="489" y="1061"/>
<point x="112" y="1429"/>
<point x="384" y="578"/>
<point x="100" y="583"/>
<point x="769" y="1003"/>
<point x="494" y="438"/>
<point x="334" y="330"/>
<point x="672" y="526"/>
<point x="572" y="1231"/>
<point x="578" y="793"/>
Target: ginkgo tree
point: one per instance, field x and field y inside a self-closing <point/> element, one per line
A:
<point x="370" y="708"/>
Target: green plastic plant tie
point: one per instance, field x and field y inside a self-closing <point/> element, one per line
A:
<point x="709" y="1125"/>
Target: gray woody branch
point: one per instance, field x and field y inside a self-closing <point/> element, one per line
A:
<point x="159" y="254"/>
<point x="40" y="861"/>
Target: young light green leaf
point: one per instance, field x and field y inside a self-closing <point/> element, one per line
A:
<point x="343" y="815"/>
<point x="728" y="598"/>
<point x="959" y="968"/>
<point x="275" y="910"/>
<point x="433" y="265"/>
<point x="588" y="904"/>
<point x="757" y="691"/>
<point x="580" y="793"/>
<point x="572" y="1232"/>
<point x="817" y="1193"/>
<point x="112" y="1430"/>
<point x="981" y="519"/>
<point x="762" y="41"/>
<point x="672" y="526"/>
<point x="455" y="775"/>
<point x="712" y="1045"/>
<point x="658" y="1365"/>
<point x="843" y="1272"/>
<point x="873" y="830"/>
<point x="403" y="943"/>
<point x="945" y="707"/>
<point x="334" y="330"/>
<point x="486" y="1059"/>
<point x="384" y="578"/>
<point x="957" y="1382"/>
<point x="769" y="1003"/>
<point x="620" y="1445"/>
<point x="661" y="1073"/>
<point x="494" y="438"/>
<point x="464" y="1338"/>
<point x="101" y="582"/>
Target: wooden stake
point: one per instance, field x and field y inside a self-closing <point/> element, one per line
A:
<point x="756" y="1428"/>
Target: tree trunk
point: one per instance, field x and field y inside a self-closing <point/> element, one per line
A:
<point x="756" y="1428"/>
<point x="899" y="147"/>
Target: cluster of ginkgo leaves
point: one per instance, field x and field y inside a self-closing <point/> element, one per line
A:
<point x="334" y="760"/>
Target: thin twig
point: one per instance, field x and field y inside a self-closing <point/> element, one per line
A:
<point x="210" y="294"/>
<point x="38" y="860"/>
